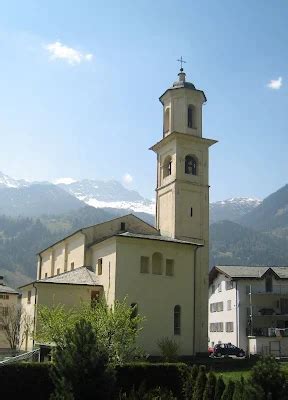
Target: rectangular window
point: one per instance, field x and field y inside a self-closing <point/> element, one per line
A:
<point x="216" y="307"/>
<point x="170" y="267"/>
<point x="220" y="287"/>
<point x="72" y="266"/>
<point x="46" y="275"/>
<point x="29" y="297"/>
<point x="229" y="305"/>
<point x="216" y="327"/>
<point x="144" y="265"/>
<point x="122" y="226"/>
<point x="229" y="327"/>
<point x="191" y="212"/>
<point x="100" y="264"/>
<point x="229" y="285"/>
<point x="58" y="271"/>
<point x="4" y="296"/>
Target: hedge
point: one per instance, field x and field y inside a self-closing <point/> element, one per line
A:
<point x="26" y="380"/>
<point x="32" y="380"/>
<point x="153" y="375"/>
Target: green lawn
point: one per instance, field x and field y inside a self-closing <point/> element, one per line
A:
<point x="236" y="375"/>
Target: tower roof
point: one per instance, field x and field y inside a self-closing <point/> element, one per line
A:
<point x="182" y="83"/>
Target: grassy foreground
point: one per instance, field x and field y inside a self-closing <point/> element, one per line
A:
<point x="236" y="375"/>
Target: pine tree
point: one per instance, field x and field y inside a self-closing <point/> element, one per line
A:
<point x="200" y="384"/>
<point x="253" y="392"/>
<point x="229" y="391"/>
<point x="238" y="391"/>
<point x="80" y="368"/>
<point x="189" y="380"/>
<point x="220" y="387"/>
<point x="209" y="392"/>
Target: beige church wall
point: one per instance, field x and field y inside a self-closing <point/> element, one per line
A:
<point x="75" y="251"/>
<point x="61" y="255"/>
<point x="44" y="264"/>
<point x="166" y="211"/>
<point x="107" y="251"/>
<point x="12" y="301"/>
<point x="110" y="228"/>
<point x="157" y="295"/>
<point x="189" y="226"/>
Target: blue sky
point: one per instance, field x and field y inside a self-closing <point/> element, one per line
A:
<point x="80" y="82"/>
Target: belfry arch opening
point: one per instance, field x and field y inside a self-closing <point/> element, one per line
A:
<point x="167" y="166"/>
<point x="191" y="116"/>
<point x="191" y="165"/>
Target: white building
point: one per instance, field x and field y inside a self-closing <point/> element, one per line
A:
<point x="248" y="307"/>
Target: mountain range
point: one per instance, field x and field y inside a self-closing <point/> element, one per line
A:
<point x="33" y="215"/>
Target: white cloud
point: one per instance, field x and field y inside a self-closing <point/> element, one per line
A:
<point x="65" y="181"/>
<point x="127" y="179"/>
<point x="58" y="50"/>
<point x="275" y="84"/>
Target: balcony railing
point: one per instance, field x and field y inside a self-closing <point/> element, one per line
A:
<point x="268" y="332"/>
<point x="279" y="289"/>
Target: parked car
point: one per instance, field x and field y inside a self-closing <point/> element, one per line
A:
<point x="210" y="350"/>
<point x="227" y="349"/>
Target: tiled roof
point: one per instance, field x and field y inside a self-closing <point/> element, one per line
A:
<point x="7" y="289"/>
<point x="79" y="276"/>
<point x="157" y="237"/>
<point x="239" y="271"/>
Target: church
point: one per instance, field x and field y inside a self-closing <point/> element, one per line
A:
<point x="161" y="270"/>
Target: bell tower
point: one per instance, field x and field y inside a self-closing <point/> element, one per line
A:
<point x="182" y="201"/>
<point x="182" y="193"/>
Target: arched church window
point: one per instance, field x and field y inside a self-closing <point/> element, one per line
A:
<point x="167" y="120"/>
<point x="157" y="264"/>
<point x="177" y="320"/>
<point x="190" y="165"/>
<point x="191" y="116"/>
<point x="167" y="167"/>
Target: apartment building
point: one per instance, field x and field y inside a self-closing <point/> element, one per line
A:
<point x="248" y="307"/>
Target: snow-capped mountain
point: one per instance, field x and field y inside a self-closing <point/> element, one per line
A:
<point x="232" y="209"/>
<point x="8" y="182"/>
<point x="108" y="194"/>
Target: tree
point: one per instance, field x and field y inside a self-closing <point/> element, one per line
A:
<point x="200" y="384"/>
<point x="267" y="374"/>
<point x="220" y="387"/>
<point x="80" y="366"/>
<point x="116" y="328"/>
<point x="189" y="380"/>
<point x="229" y="391"/>
<point x="16" y="324"/>
<point x="209" y="392"/>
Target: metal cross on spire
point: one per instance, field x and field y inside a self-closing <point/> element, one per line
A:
<point x="181" y="61"/>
